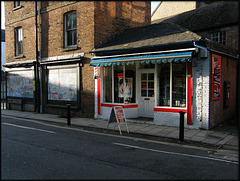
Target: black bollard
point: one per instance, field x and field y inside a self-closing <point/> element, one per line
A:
<point x="181" y="126"/>
<point x="68" y="114"/>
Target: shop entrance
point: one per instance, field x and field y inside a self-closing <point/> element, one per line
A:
<point x="146" y="92"/>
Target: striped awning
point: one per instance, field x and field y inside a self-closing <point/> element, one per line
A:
<point x="143" y="59"/>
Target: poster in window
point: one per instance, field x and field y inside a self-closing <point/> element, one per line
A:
<point x="62" y="84"/>
<point x="127" y="88"/>
<point x="20" y="84"/>
<point x="216" y="77"/>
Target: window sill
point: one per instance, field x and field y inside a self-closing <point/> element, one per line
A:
<point x="18" y="56"/>
<point x="19" y="7"/>
<point x="170" y="109"/>
<point x="70" y="48"/>
<point x="130" y="105"/>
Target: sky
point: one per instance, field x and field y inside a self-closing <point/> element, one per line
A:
<point x="154" y="4"/>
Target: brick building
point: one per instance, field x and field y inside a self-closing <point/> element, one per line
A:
<point x="54" y="38"/>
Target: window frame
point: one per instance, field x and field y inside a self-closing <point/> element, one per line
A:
<point x="171" y="87"/>
<point x="113" y="87"/>
<point x="16" y="4"/>
<point x="68" y="30"/>
<point x="17" y="42"/>
<point x="220" y="37"/>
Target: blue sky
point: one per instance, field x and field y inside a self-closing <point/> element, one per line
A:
<point x="154" y="4"/>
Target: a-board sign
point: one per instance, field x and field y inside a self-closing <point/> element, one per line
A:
<point x="117" y="115"/>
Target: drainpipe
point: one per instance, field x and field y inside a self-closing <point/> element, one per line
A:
<point x="40" y="54"/>
<point x="37" y="63"/>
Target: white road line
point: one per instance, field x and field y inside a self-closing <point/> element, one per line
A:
<point x="175" y="153"/>
<point x="29" y="128"/>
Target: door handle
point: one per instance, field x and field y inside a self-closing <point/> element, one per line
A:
<point x="146" y="99"/>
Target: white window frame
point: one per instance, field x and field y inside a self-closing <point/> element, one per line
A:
<point x="113" y="98"/>
<point x="17" y="4"/>
<point x="67" y="30"/>
<point x="18" y="40"/>
<point x="220" y="37"/>
<point x="171" y="86"/>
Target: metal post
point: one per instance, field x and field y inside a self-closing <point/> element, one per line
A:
<point x="181" y="126"/>
<point x="68" y="114"/>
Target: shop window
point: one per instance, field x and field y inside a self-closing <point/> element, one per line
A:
<point x="219" y="37"/>
<point x="172" y="85"/>
<point x="20" y="84"/>
<point x="18" y="42"/>
<point x="122" y="88"/>
<point x="118" y="84"/>
<point x="62" y="84"/>
<point x="70" y="29"/>
<point x="178" y="85"/>
<point x="130" y="77"/>
<point x="107" y="84"/>
<point x="164" y="84"/>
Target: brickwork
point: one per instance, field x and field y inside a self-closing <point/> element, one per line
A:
<point x="218" y="113"/>
<point x="97" y="22"/>
<point x="201" y="92"/>
<point x="231" y="35"/>
<point x="121" y="15"/>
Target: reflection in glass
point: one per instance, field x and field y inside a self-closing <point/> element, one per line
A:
<point x="164" y="84"/>
<point x="179" y="85"/>
<point x="107" y="84"/>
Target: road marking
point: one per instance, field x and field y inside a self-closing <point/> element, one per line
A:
<point x="175" y="153"/>
<point x="29" y="128"/>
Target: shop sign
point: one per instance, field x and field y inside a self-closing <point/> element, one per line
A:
<point x="117" y="115"/>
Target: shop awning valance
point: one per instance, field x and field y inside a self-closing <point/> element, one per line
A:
<point x="144" y="59"/>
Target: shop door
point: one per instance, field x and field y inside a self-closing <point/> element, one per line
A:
<point x="146" y="99"/>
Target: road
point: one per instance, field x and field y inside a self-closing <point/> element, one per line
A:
<point x="39" y="151"/>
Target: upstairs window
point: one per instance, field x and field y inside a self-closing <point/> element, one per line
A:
<point x="70" y="29"/>
<point x="17" y="4"/>
<point x="18" y="42"/>
<point x="219" y="37"/>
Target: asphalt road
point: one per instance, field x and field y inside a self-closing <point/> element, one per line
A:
<point x="36" y="150"/>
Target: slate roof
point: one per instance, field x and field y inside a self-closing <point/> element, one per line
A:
<point x="212" y="16"/>
<point x="155" y="34"/>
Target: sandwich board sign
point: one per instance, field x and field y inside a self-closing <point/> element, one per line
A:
<point x="117" y="115"/>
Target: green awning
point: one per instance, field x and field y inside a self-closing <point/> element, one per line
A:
<point x="144" y="59"/>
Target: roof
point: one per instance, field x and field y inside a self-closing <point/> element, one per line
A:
<point x="2" y="35"/>
<point x="212" y="16"/>
<point x="145" y="36"/>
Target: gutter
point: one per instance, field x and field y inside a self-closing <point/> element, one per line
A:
<point x="159" y="47"/>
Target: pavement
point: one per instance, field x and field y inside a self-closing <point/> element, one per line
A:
<point x="222" y="137"/>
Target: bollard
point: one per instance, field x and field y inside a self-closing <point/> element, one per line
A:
<point x="68" y="114"/>
<point x="181" y="126"/>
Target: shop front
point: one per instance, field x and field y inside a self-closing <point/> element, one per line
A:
<point x="145" y="85"/>
<point x="153" y="84"/>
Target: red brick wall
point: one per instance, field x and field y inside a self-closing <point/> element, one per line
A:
<point x="112" y="17"/>
<point x="219" y="114"/>
<point x="14" y="19"/>
<point x="97" y="22"/>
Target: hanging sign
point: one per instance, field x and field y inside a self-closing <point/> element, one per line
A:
<point x="117" y="115"/>
<point x="216" y="77"/>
